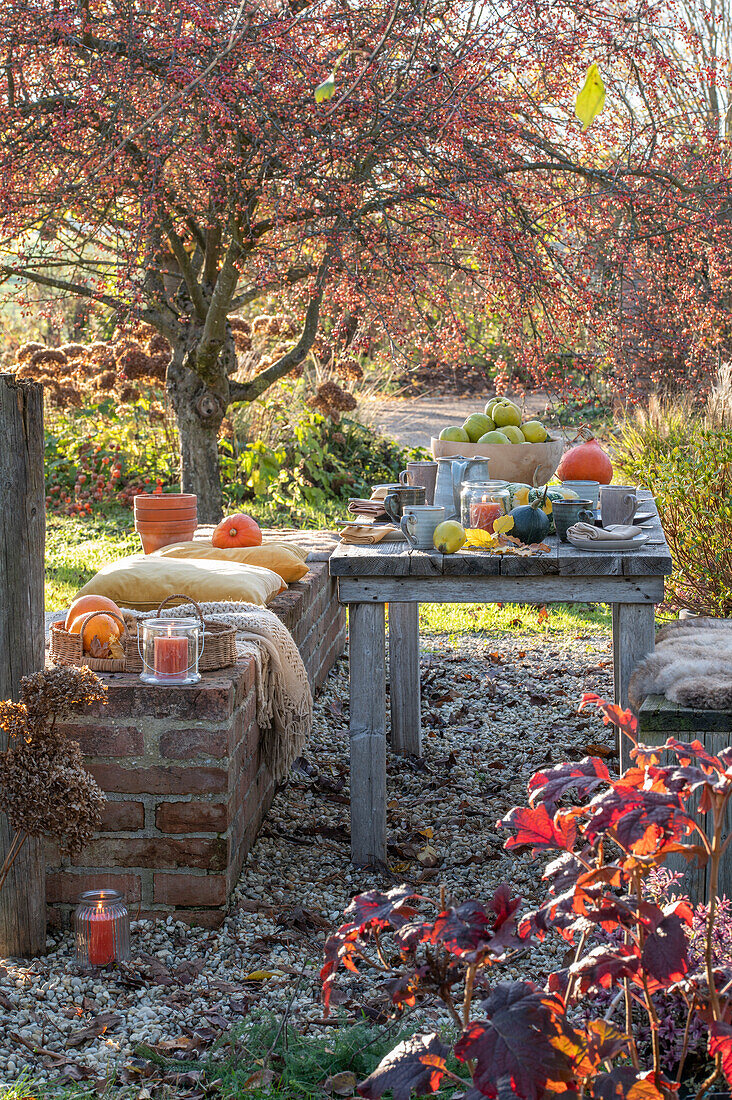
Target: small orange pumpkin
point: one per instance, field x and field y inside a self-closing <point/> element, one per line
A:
<point x="83" y="606"/>
<point x="237" y="530"/>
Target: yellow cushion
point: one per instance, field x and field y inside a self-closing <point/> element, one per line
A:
<point x="142" y="581"/>
<point x="282" y="558"/>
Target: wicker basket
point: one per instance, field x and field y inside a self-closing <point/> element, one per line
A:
<point x="219" y="649"/>
<point x="68" y="649"/>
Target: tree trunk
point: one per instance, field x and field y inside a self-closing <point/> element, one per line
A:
<point x="199" y="411"/>
<point x="22" y="634"/>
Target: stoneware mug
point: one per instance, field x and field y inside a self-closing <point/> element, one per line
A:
<point x="418" y="524"/>
<point x="421" y="473"/>
<point x="585" y="490"/>
<point x="617" y="504"/>
<point x="568" y="512"/>
<point x="396" y="500"/>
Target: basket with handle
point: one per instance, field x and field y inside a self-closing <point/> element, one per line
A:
<point x="219" y="650"/>
<point x="66" y="648"/>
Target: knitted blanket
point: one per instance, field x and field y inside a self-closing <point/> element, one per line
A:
<point x="284" y="700"/>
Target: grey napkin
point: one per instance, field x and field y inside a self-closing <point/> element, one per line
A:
<point x="613" y="533"/>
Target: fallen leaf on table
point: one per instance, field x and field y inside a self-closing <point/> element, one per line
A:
<point x="342" y="1084"/>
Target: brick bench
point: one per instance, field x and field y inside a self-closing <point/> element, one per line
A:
<point x="186" y="787"/>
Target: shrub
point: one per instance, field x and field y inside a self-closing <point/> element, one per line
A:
<point x="607" y="837"/>
<point x="686" y="461"/>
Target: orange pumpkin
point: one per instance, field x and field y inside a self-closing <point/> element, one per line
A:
<point x="84" y="606"/>
<point x="101" y="637"/>
<point x="237" y="530"/>
<point x="586" y="462"/>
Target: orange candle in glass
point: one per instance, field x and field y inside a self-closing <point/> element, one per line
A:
<point x="484" y="514"/>
<point x="101" y="937"/>
<point x="170" y="657"/>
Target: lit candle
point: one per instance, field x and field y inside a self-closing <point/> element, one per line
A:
<point x="101" y="937"/>
<point x="484" y="514"/>
<point x="170" y="656"/>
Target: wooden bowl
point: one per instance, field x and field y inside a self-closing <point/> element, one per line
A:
<point x="531" y="463"/>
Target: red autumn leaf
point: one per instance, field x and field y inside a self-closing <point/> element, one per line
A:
<point x="625" y="1083"/>
<point x="471" y="929"/>
<point x="537" y="830"/>
<point x="511" y="1043"/>
<point x="549" y="786"/>
<point x="665" y="954"/>
<point x="404" y="990"/>
<point x="417" y="1064"/>
<point x="720" y="1043"/>
<point x="342" y="947"/>
<point x="377" y="910"/>
<point x="602" y="968"/>
<point x="640" y="820"/>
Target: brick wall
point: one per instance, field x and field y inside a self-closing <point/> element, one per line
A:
<point x="186" y="786"/>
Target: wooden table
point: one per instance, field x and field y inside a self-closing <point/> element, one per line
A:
<point x="369" y="577"/>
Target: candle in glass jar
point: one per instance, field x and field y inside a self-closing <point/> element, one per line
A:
<point x="170" y="657"/>
<point x="484" y="513"/>
<point x="101" y="951"/>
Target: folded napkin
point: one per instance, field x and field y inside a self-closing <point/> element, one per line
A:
<point x="367" y="536"/>
<point x="613" y="533"/>
<point x="372" y="508"/>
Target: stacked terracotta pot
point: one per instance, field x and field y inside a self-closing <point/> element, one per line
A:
<point x="164" y="518"/>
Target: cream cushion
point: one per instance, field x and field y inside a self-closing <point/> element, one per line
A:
<point x="143" y="580"/>
<point x="285" y="559"/>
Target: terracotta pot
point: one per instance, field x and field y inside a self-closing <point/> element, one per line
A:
<point x="154" y="535"/>
<point x="162" y="501"/>
<point x="165" y="518"/>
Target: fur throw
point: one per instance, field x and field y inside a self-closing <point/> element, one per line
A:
<point x="691" y="666"/>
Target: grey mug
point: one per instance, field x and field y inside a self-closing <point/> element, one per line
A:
<point x="568" y="512"/>
<point x="396" y="501"/>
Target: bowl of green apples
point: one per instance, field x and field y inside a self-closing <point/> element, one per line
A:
<point x="517" y="449"/>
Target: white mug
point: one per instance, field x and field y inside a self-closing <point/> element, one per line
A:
<point x="617" y="504"/>
<point x="585" y="490"/>
<point x="418" y="524"/>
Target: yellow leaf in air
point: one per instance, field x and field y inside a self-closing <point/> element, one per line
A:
<point x="326" y="90"/>
<point x="503" y="524"/>
<point x="591" y="98"/>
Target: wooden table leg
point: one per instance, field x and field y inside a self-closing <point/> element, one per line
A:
<point x="634" y="631"/>
<point x="368" y="732"/>
<point x="406" y="728"/>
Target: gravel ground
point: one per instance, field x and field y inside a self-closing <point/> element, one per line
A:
<point x="494" y="710"/>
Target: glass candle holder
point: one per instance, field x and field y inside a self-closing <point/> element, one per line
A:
<point x="482" y="502"/>
<point x="170" y="651"/>
<point x="102" y="927"/>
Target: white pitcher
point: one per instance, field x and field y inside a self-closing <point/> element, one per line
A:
<point x="451" y="473"/>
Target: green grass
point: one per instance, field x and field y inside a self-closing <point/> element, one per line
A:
<point x="511" y="618"/>
<point x="77" y="549"/>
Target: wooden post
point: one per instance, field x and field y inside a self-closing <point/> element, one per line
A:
<point x="634" y="637"/>
<point x="406" y="729"/>
<point x="22" y="633"/>
<point x="368" y="733"/>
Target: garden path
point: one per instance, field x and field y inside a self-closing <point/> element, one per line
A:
<point x="413" y="421"/>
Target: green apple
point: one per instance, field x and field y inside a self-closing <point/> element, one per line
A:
<point x="489" y="407"/>
<point x="477" y="425"/>
<point x="505" y="413"/>
<point x="534" y="431"/>
<point x="513" y="434"/>
<point x="493" y="437"/>
<point x="454" y="434"/>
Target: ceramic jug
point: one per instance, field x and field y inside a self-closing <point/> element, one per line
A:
<point x="451" y="473"/>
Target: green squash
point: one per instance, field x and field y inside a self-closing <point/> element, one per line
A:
<point x="530" y="523"/>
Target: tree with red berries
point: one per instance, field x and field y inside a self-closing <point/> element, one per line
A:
<point x="364" y="163"/>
